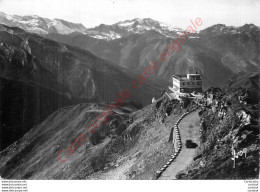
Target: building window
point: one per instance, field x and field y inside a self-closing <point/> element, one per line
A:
<point x="183" y="83"/>
<point x="198" y="83"/>
<point x="193" y="83"/>
<point x="188" y="83"/>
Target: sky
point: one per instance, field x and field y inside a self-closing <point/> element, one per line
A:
<point x="178" y="13"/>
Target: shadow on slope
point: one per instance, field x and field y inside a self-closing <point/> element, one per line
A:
<point x="23" y="105"/>
<point x="128" y="147"/>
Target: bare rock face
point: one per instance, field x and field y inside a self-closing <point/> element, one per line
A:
<point x="244" y="117"/>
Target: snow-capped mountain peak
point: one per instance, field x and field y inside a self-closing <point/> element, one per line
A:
<point x="39" y="25"/>
<point x="134" y="26"/>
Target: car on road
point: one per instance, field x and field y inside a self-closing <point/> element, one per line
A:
<point x="190" y="144"/>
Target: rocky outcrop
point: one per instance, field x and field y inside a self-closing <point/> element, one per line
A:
<point x="229" y="127"/>
<point x="244" y="117"/>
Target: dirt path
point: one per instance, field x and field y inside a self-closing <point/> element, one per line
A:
<point x="189" y="130"/>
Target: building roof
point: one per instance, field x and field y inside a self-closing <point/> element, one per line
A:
<point x="184" y="77"/>
<point x="179" y="76"/>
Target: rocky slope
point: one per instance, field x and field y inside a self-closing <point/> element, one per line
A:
<point x="134" y="144"/>
<point x="129" y="146"/>
<point x="229" y="127"/>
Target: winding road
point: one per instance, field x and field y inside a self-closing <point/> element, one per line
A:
<point x="189" y="130"/>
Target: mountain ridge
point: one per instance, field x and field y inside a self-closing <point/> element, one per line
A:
<point x="204" y="52"/>
<point x="40" y="25"/>
<point x="43" y="26"/>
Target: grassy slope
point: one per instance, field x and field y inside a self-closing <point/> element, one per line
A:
<point x="135" y="151"/>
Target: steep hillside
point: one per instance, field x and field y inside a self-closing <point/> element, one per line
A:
<point x="238" y="48"/>
<point x="134" y="144"/>
<point x="244" y="80"/>
<point x="131" y="145"/>
<point x="64" y="68"/>
<point x="39" y="75"/>
<point x="28" y="91"/>
<point x="23" y="105"/>
<point x="229" y="147"/>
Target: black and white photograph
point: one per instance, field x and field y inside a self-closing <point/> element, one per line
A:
<point x="129" y="90"/>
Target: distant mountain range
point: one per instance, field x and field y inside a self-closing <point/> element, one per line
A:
<point x="39" y="25"/>
<point x="217" y="52"/>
